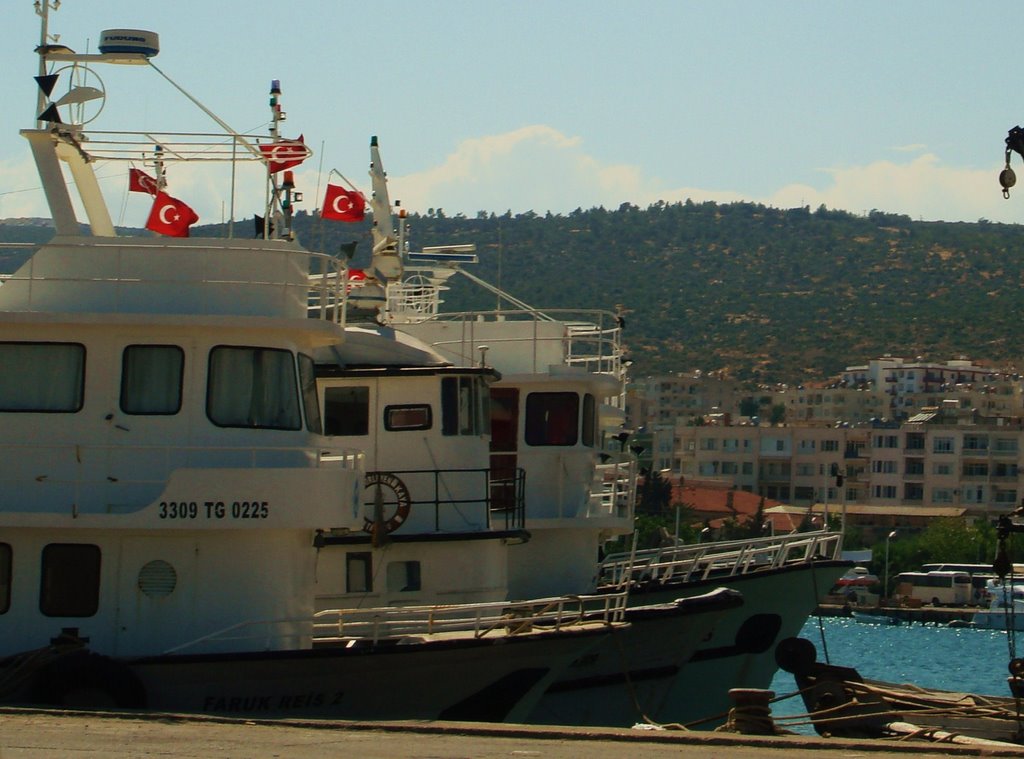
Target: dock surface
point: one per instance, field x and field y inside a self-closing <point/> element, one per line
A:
<point x="35" y="733"/>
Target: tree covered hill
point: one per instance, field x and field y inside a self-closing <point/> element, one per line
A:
<point x="767" y="294"/>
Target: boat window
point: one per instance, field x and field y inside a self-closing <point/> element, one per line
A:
<point x="151" y="378"/>
<point x="347" y="410"/>
<point x="589" y="420"/>
<point x="358" y="577"/>
<point x="403" y="576"/>
<point x="252" y="387"/>
<point x="407" y="417"/>
<point x="310" y="402"/>
<point x="5" y="577"/>
<point x="42" y="377"/>
<point x="552" y="418"/>
<point x="70" y="584"/>
<point x="465" y="406"/>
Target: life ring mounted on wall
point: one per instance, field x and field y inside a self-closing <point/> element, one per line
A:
<point x="399" y="500"/>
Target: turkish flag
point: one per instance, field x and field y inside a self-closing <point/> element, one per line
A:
<point x="140" y="181"/>
<point x="343" y="205"/>
<point x="169" y="216"/>
<point x="283" y="154"/>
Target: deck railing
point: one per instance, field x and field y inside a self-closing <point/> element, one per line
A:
<point x="355" y="627"/>
<point x="701" y="561"/>
<point x="480" y="620"/>
<point x="498" y="494"/>
<point x="613" y="492"/>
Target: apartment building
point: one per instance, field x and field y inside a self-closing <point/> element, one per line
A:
<point x="941" y="457"/>
<point x="888" y="388"/>
<point x="664" y="398"/>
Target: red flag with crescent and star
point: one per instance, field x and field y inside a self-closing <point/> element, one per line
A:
<point x="170" y="216"/>
<point x="140" y="181"/>
<point x="283" y="154"/>
<point x="343" y="205"/>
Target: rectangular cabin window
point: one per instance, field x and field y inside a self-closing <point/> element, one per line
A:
<point x="589" y="420"/>
<point x="347" y="410"/>
<point x="465" y="406"/>
<point x="358" y="574"/>
<point x="310" y="402"/>
<point x="70" y="583"/>
<point x="252" y="387"/>
<point x="42" y="377"/>
<point x="403" y="576"/>
<point x="407" y="417"/>
<point x="552" y="418"/>
<point x="151" y="379"/>
<point x="5" y="577"/>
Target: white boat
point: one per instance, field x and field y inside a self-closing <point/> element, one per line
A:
<point x="782" y="579"/>
<point x="557" y="415"/>
<point x="458" y="521"/>
<point x="1006" y="607"/>
<point x="166" y="492"/>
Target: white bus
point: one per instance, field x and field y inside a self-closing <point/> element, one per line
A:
<point x="980" y="575"/>
<point x="939" y="588"/>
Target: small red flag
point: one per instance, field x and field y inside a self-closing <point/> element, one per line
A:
<point x="140" y="181"/>
<point x="343" y="205"/>
<point x="283" y="154"/>
<point x="170" y="216"/>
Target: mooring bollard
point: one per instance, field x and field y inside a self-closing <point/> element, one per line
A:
<point x="751" y="713"/>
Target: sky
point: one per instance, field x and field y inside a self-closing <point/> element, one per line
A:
<point x="498" y="106"/>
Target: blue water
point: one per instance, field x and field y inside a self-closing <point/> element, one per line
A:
<point x="959" y="659"/>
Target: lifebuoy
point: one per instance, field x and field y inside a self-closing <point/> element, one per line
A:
<point x="401" y="500"/>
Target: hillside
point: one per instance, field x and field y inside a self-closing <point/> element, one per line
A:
<point x="768" y="294"/>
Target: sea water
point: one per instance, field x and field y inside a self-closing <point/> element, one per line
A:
<point x="960" y="659"/>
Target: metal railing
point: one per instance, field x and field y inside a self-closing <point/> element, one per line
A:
<point x="701" y="561"/>
<point x="613" y="491"/>
<point x="353" y="627"/>
<point x="496" y="493"/>
<point x="326" y="288"/>
<point x="500" y="618"/>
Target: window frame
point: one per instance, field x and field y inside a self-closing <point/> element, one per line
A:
<point x="391" y="408"/>
<point x="181" y="379"/>
<point x="81" y="384"/>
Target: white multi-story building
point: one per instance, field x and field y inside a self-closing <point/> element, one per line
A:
<point x="941" y="457"/>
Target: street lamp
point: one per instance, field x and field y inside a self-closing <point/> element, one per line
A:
<point x="885" y="587"/>
<point x="703" y="534"/>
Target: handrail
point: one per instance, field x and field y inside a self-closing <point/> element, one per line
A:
<point x="326" y="288"/>
<point x="350" y="627"/>
<point x="509" y="501"/>
<point x="687" y="563"/>
<point x="613" y="491"/>
<point x="481" y="619"/>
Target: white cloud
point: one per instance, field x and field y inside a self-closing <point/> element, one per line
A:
<point x="923" y="189"/>
<point x="533" y="168"/>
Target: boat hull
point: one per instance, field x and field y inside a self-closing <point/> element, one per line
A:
<point x="464" y="678"/>
<point x="740" y="652"/>
<point x="630" y="676"/>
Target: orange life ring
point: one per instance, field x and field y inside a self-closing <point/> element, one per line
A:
<point x="402" y="500"/>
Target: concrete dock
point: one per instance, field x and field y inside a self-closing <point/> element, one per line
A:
<point x="35" y="733"/>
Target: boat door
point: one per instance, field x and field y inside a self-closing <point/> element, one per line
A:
<point x="504" y="446"/>
<point x="156" y="605"/>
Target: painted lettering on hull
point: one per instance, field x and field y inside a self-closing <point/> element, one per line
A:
<point x="223" y="704"/>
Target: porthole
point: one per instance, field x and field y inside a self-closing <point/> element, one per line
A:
<point x="157" y="579"/>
